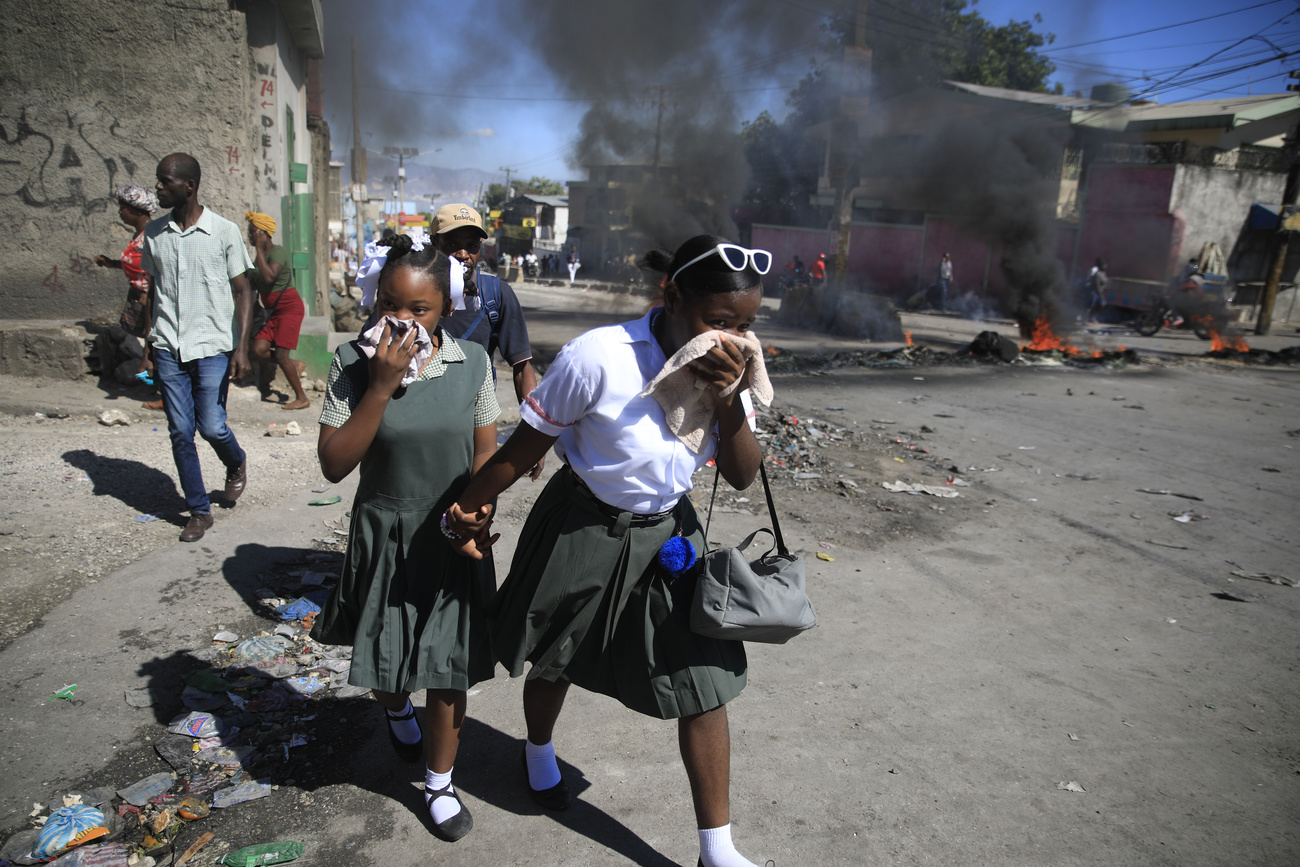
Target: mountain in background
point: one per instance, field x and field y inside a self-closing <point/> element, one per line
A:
<point x="429" y="187"/>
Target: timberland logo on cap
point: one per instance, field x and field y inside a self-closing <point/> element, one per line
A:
<point x="464" y="214"/>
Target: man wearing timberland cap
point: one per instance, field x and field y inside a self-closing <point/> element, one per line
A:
<point x="492" y="317"/>
<point x="202" y="313"/>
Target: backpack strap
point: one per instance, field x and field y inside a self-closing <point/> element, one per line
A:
<point x="489" y="293"/>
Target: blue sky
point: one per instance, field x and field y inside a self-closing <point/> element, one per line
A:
<point x="464" y="85"/>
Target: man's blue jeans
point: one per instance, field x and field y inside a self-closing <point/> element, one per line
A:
<point x="194" y="398"/>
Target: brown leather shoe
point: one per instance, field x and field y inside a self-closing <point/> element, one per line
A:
<point x="200" y="523"/>
<point x="236" y="481"/>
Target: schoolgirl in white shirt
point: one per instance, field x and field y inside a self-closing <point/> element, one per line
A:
<point x="586" y="601"/>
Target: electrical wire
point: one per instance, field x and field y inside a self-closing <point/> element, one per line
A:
<point x="1165" y="27"/>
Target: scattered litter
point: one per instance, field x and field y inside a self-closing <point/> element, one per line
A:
<point x="1237" y="596"/>
<point x="1168" y="493"/>
<point x="225" y="757"/>
<point x="1072" y="736"/>
<point x="807" y="475"/>
<point x="247" y="791"/>
<point x="1070" y="787"/>
<point x="351" y="691"/>
<point x="824" y="556"/>
<point x="1137" y="516"/>
<point x="197" y="699"/>
<point x="145" y="519"/>
<point x="204" y="839"/>
<point x="1187" y="517"/>
<point x="957" y="481"/>
<point x="315" y="579"/>
<point x="286" y="630"/>
<point x="208" y="681"/>
<point x="110" y="417"/>
<point x="292" y="429"/>
<point x="297" y="609"/>
<point x="195" y="724"/>
<point x="827" y="545"/>
<point x="893" y="770"/>
<point x="141" y="792"/>
<point x="325" y="501"/>
<point x="261" y="854"/>
<point x="320" y="489"/>
<point x="1168" y="544"/>
<point x="1268" y="577"/>
<point x="918" y="488"/>
<point x="1084" y="477"/>
<point x="835" y="408"/>
<point x="67" y="827"/>
<point x="1170" y="620"/>
<point x="64" y="692"/>
<point x="261" y="648"/>
<point x="226" y="637"/>
<point x="1027" y="448"/>
<point x="1270" y="469"/>
<point x="883" y="421"/>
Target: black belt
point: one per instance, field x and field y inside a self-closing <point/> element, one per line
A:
<point x="613" y="513"/>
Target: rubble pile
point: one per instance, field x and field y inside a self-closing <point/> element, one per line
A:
<point x="247" y="708"/>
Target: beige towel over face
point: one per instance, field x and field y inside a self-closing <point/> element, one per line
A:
<point x="689" y="407"/>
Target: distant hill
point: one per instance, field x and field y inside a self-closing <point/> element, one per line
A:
<point x="429" y="186"/>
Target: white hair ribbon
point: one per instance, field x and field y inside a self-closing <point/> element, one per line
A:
<point x="373" y="262"/>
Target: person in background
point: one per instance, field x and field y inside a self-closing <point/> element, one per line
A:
<point x="587" y="601"/>
<point x="492" y="316"/>
<point x="202" y="313"/>
<point x="415" y="409"/>
<point x="944" y="281"/>
<point x="271" y="275"/>
<point x="574" y="263"/>
<point x="135" y="207"/>
<point x="818" y="270"/>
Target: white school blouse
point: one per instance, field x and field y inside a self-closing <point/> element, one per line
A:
<point x="616" y="441"/>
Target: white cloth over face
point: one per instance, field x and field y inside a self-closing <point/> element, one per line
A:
<point x="690" y="410"/>
<point x="369" y="342"/>
<point x="616" y="441"/>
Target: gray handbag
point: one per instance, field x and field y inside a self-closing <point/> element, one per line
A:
<point x="751" y="600"/>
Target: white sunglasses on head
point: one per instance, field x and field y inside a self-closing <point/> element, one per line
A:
<point x="736" y="257"/>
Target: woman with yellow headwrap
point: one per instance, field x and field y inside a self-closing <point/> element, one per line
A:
<point x="272" y="273"/>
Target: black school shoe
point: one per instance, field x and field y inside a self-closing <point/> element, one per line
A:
<point x="557" y="797"/>
<point x="458" y="825"/>
<point x="409" y="753"/>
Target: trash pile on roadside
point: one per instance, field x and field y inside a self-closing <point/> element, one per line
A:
<point x="245" y="712"/>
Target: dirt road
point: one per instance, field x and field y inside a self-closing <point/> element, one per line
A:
<point x="1052" y="624"/>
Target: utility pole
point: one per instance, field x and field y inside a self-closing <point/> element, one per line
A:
<point x="1286" y="224"/>
<point x="845" y="143"/>
<point x="400" y="190"/>
<point x="660" y="101"/>
<point x="359" y="174"/>
<point x="508" y="172"/>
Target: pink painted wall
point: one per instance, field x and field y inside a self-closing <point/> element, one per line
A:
<point x="1127" y="222"/>
<point x="887" y="257"/>
<point x="970" y="256"/>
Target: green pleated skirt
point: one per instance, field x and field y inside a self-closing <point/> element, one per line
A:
<point x="587" y="602"/>
<point x="413" y="610"/>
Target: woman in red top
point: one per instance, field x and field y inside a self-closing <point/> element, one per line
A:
<point x="135" y="206"/>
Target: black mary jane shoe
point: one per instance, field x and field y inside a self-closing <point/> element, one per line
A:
<point x="557" y="797"/>
<point x="409" y="753"/>
<point x="458" y="825"/>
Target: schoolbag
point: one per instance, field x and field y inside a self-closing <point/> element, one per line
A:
<point x="489" y="296"/>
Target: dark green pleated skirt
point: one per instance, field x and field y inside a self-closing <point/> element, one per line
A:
<point x="413" y="610"/>
<point x="587" y="602"/>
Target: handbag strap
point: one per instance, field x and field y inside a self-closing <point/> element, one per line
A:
<point x="771" y="509"/>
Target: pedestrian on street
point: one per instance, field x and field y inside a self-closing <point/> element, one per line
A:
<point x="586" y="601"/>
<point x="135" y="206"/>
<point x="202" y="313"/>
<point x="271" y="275"/>
<point x="575" y="262"/>
<point x="944" y="281"/>
<point x="818" y="270"/>
<point x="418" y="415"/>
<point x="490" y="315"/>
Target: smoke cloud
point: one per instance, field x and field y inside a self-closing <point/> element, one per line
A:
<point x="696" y="58"/>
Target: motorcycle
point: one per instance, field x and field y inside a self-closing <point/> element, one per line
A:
<point x="1205" y="313"/>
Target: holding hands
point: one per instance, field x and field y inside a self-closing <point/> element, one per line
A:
<point x="469" y="533"/>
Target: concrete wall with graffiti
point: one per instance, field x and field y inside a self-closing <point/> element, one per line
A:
<point x="92" y="94"/>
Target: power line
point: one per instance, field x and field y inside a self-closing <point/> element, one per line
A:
<point x="1165" y="27"/>
<point x="1216" y="54"/>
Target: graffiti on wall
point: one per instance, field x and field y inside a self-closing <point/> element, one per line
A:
<point x="59" y="158"/>
<point x="264" y="106"/>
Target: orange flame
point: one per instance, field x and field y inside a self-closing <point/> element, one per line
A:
<point x="908" y="335"/>
<point x="1042" y="338"/>
<point x="1219" y="343"/>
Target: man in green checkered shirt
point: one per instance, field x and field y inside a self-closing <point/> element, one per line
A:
<point x="202" y="313"/>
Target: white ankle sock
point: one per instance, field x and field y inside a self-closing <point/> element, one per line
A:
<point x="408" y="730"/>
<point x="444" y="806"/>
<point x="717" y="850"/>
<point x="543" y="772"/>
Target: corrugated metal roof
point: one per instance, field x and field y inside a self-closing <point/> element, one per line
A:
<point x="1201" y="114"/>
<point x="1053" y="100"/>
